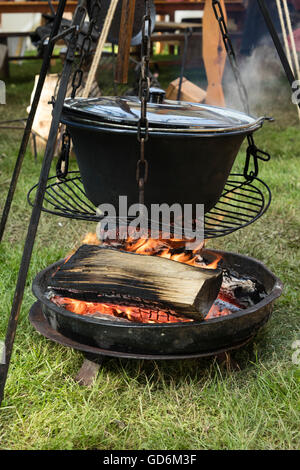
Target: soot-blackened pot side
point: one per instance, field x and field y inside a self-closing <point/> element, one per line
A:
<point x="183" y="169"/>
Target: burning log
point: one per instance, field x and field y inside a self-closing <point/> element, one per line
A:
<point x="242" y="291"/>
<point x="93" y="272"/>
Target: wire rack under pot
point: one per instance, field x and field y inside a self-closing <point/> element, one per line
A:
<point x="242" y="203"/>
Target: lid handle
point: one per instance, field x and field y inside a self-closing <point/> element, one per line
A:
<point x="156" y="95"/>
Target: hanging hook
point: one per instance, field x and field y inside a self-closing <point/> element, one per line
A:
<point x="62" y="166"/>
<point x="257" y="154"/>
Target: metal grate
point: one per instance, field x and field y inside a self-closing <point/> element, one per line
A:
<point x="242" y="203"/>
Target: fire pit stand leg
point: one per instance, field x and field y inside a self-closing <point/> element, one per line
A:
<point x="88" y="372"/>
<point x="38" y="203"/>
<point x="226" y="360"/>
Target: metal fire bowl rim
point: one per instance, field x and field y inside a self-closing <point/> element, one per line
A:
<point x="273" y="295"/>
<point x="40" y="324"/>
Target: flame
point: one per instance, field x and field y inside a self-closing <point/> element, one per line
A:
<point x="90" y="238"/>
<point x="173" y="249"/>
<point x="165" y="249"/>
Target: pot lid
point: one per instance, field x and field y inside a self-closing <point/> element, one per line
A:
<point x="169" y="115"/>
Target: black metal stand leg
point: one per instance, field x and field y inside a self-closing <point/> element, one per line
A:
<point x="226" y="361"/>
<point x="88" y="371"/>
<point x="277" y="44"/>
<point x="29" y="122"/>
<point x="187" y="35"/>
<point x="36" y="211"/>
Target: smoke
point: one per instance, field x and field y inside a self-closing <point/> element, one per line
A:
<point x="263" y="78"/>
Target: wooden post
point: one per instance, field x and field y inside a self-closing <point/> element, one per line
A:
<point x="99" y="49"/>
<point x="4" y="66"/>
<point x="125" y="35"/>
<point x="214" y="54"/>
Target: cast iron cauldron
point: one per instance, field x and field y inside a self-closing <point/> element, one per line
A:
<point x="191" y="149"/>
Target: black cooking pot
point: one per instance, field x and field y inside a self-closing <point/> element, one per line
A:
<point x="190" y="151"/>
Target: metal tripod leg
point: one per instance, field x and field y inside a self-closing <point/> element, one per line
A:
<point x="275" y="38"/>
<point x="36" y="211"/>
<point x="187" y="35"/>
<point x="29" y="122"/>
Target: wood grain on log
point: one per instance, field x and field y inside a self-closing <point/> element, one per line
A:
<point x="189" y="290"/>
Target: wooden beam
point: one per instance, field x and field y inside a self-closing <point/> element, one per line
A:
<point x="99" y="49"/>
<point x="125" y="35"/>
<point x="214" y="54"/>
<point x="33" y="7"/>
<point x="162" y="7"/>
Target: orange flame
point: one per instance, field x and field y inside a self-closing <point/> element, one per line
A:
<point x="165" y="248"/>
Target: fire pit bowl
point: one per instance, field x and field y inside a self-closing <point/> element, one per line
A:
<point x="190" y="151"/>
<point x="170" y="338"/>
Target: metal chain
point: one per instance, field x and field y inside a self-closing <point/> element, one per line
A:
<point x="252" y="150"/>
<point x="144" y="86"/>
<point x="63" y="160"/>
<point x="62" y="165"/>
<point x="218" y="11"/>
<point x="85" y="48"/>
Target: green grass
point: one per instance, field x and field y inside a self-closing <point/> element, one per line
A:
<point x="148" y="405"/>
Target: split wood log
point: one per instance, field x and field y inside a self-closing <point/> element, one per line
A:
<point x="43" y="115"/>
<point x="189" y="290"/>
<point x="243" y="291"/>
<point x="189" y="91"/>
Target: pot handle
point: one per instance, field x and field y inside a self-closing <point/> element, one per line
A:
<point x="257" y="154"/>
<point x="262" y="119"/>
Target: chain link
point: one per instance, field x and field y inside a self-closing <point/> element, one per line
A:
<point x="62" y="166"/>
<point x="252" y="150"/>
<point x="144" y="86"/>
<point x="217" y="7"/>
<point x="85" y="48"/>
<point x="84" y="51"/>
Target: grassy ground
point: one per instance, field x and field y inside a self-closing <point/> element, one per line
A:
<point x="149" y="405"/>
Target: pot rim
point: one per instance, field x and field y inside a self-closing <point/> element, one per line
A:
<point x="243" y="122"/>
<point x="176" y="132"/>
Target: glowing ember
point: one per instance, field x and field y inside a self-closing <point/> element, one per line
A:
<point x="221" y="308"/>
<point x="135" y="314"/>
